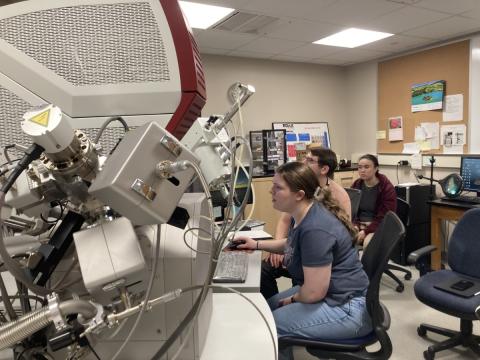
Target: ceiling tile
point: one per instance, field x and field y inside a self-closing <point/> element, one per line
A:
<point x="404" y="19"/>
<point x="448" y="28"/>
<point x="290" y="58"/>
<point x="291" y="8"/>
<point x="208" y="50"/>
<point x="312" y="51"/>
<point x="271" y="46"/>
<point x="356" y="55"/>
<point x="473" y="14"/>
<point x="304" y="30"/>
<point x="220" y="39"/>
<point x="449" y="6"/>
<point x="234" y="4"/>
<point x="397" y="43"/>
<point x="353" y="12"/>
<point x="249" y="54"/>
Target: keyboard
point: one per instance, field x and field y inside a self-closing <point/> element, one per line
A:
<point x="464" y="199"/>
<point x="232" y="267"/>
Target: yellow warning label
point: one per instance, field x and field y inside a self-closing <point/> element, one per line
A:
<point x="41" y="119"/>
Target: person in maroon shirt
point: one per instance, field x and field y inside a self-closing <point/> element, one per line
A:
<point x="378" y="197"/>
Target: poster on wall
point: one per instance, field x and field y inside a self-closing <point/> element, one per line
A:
<point x="428" y="95"/>
<point x="300" y="134"/>
<point x="395" y="128"/>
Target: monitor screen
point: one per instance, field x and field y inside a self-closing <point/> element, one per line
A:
<point x="470" y="172"/>
<point x="219" y="202"/>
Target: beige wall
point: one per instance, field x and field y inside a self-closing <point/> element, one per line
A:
<point x="361" y="109"/>
<point x="285" y="91"/>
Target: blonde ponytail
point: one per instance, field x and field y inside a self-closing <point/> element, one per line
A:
<point x="324" y="196"/>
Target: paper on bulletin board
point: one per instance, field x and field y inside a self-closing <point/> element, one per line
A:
<point x="411" y="148"/>
<point x="416" y="162"/>
<point x="453" y="135"/>
<point x="420" y="133"/>
<point x="381" y="134"/>
<point x="395" y="128"/>
<point x="453" y="108"/>
<point x="425" y="145"/>
<point x="432" y="130"/>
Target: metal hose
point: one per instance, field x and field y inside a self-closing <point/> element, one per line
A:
<point x="16" y="331"/>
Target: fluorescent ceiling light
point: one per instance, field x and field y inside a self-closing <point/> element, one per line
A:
<point x="203" y="16"/>
<point x="352" y="37"/>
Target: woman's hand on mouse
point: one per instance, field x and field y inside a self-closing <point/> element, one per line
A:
<point x="244" y="243"/>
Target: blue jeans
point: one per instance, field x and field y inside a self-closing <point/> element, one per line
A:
<point x="319" y="320"/>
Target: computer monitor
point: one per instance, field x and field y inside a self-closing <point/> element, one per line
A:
<point x="470" y="172"/>
<point x="220" y="203"/>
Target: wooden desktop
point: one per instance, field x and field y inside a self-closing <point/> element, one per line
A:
<point x="443" y="210"/>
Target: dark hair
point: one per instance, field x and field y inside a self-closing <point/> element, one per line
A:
<point x="326" y="157"/>
<point x="372" y="158"/>
<point x="299" y="176"/>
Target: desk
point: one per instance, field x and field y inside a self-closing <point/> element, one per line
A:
<point x="237" y="331"/>
<point x="443" y="210"/>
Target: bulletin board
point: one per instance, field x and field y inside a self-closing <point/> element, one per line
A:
<point x="395" y="80"/>
<point x="303" y="133"/>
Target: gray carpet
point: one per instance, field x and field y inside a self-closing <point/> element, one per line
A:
<point x="407" y="313"/>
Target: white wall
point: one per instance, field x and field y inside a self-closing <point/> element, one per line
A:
<point x="362" y="109"/>
<point x="285" y="91"/>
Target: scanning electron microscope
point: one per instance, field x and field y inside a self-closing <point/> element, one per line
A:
<point x="104" y="249"/>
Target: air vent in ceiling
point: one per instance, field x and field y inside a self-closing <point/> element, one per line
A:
<point x="405" y="2"/>
<point x="245" y="23"/>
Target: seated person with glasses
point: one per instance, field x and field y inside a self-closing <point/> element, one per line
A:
<point x="378" y="197"/>
<point x="329" y="300"/>
<point x="323" y="162"/>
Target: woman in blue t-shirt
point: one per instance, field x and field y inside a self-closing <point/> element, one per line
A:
<point x="329" y="303"/>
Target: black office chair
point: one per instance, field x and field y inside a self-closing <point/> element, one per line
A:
<point x="463" y="257"/>
<point x="354" y="195"/>
<point x="374" y="260"/>
<point x="403" y="210"/>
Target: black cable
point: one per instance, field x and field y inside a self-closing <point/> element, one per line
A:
<point x="6" y="163"/>
<point x="93" y="351"/>
<point x="20" y="356"/>
<point x="105" y="124"/>
<point x="54" y="222"/>
<point x="31" y="154"/>
<point x="398" y="181"/>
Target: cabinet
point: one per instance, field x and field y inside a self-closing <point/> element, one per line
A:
<point x="263" y="209"/>
<point x="345" y="177"/>
<point x="268" y="150"/>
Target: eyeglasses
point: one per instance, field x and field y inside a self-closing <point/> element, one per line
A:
<point x="310" y="160"/>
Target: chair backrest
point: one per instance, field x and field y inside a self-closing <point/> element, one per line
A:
<point x="354" y="195"/>
<point x="403" y="211"/>
<point x="375" y="259"/>
<point x="464" y="245"/>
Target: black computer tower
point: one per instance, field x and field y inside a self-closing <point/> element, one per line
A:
<point x="418" y="228"/>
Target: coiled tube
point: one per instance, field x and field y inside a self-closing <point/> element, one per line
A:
<point x="16" y="331"/>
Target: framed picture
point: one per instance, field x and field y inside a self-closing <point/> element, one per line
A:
<point x="299" y="134"/>
<point x="428" y="96"/>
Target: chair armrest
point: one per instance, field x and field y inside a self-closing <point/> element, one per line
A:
<point x="416" y="255"/>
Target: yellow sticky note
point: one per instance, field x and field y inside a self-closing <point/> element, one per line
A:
<point x="425" y="145"/>
<point x="381" y="134"/>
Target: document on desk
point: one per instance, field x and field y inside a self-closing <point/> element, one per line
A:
<point x="254" y="234"/>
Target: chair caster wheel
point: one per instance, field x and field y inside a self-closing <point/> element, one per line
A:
<point x="427" y="355"/>
<point x="400" y="288"/>
<point x="421" y="331"/>
<point x="408" y="276"/>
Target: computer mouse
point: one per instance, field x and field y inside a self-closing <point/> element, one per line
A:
<point x="233" y="245"/>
